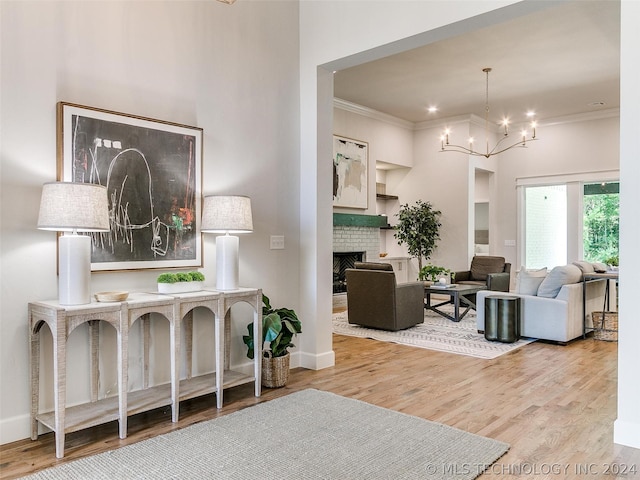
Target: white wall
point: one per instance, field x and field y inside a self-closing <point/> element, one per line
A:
<point x="232" y="70"/>
<point x="627" y="425"/>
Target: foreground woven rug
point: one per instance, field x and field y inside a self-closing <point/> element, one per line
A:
<point x="436" y="333"/>
<point x="306" y="435"/>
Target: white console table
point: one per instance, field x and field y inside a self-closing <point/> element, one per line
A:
<point x="177" y="308"/>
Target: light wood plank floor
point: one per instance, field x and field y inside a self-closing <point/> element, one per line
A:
<point x="554" y="405"/>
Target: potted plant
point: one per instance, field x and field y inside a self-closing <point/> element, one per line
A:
<point x="419" y="228"/>
<point x="433" y="273"/>
<point x="180" y="282"/>
<point x="612" y="262"/>
<point x="279" y="326"/>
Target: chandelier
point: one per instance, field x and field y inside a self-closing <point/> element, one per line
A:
<point x="500" y="146"/>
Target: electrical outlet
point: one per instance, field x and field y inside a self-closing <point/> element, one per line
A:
<point x="277" y="242"/>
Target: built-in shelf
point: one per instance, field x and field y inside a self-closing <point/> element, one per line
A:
<point x="383" y="196"/>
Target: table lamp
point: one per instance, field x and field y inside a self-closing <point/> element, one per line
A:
<point x="71" y="208"/>
<point x="226" y="214"/>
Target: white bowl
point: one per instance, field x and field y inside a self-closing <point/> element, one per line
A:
<point x="111" y="296"/>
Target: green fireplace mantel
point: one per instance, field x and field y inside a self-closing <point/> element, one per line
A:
<point x="356" y="220"/>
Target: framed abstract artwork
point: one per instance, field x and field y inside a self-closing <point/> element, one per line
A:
<point x="152" y="170"/>
<point x="350" y="165"/>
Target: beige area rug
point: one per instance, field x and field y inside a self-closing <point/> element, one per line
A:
<point x="308" y="435"/>
<point x="436" y="333"/>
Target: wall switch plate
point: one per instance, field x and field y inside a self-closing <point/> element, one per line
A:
<point x="509" y="243"/>
<point x="277" y="242"/>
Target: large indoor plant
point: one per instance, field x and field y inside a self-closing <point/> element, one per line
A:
<point x="419" y="228"/>
<point x="279" y="326"/>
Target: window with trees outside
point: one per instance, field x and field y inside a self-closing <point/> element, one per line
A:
<point x="601" y="217"/>
<point x="571" y="217"/>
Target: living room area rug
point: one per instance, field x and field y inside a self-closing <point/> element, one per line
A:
<point x="436" y="333"/>
<point x="306" y="435"/>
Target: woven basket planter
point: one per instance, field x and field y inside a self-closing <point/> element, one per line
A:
<point x="275" y="371"/>
<point x="605" y="326"/>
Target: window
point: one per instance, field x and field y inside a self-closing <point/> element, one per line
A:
<point x="545" y="226"/>
<point x="564" y="218"/>
<point x="601" y="222"/>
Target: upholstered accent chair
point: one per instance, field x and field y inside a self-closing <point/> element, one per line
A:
<point x="374" y="299"/>
<point x="494" y="273"/>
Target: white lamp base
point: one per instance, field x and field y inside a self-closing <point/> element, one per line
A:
<point x="74" y="280"/>
<point x="227" y="262"/>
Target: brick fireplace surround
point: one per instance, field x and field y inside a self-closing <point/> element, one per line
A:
<point x="347" y="238"/>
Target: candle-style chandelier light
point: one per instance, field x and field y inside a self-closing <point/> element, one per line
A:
<point x="499" y="147"/>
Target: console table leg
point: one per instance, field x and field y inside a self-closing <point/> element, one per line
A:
<point x="60" y="382"/>
<point x="257" y="348"/>
<point x="175" y="371"/>
<point x="35" y="379"/>
<point x="187" y="323"/>
<point x="220" y="326"/>
<point x="146" y="338"/>
<point x="94" y="333"/>
<point x="123" y="372"/>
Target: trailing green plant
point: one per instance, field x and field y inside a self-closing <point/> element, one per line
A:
<point x="433" y="273"/>
<point x="419" y="228"/>
<point x="180" y="277"/>
<point x="279" y="326"/>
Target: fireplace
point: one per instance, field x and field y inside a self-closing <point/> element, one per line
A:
<point x="342" y="261"/>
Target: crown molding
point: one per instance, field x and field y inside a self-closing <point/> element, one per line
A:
<point x="580" y="117"/>
<point x="471" y="118"/>
<point x="371" y="113"/>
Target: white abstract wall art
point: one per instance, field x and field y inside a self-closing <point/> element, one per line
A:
<point x="350" y="162"/>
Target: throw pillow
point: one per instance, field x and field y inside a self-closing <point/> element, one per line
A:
<point x="557" y="277"/>
<point x="599" y="267"/>
<point x="585" y="267"/>
<point x="528" y="281"/>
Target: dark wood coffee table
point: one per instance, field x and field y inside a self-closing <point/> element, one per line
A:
<point x="457" y="295"/>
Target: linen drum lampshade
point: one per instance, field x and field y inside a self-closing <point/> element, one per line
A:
<point x="225" y="215"/>
<point x="71" y="208"/>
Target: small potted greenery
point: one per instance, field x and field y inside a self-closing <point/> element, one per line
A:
<point x="279" y="326"/>
<point x="180" y="282"/>
<point x="433" y="273"/>
<point x="612" y="262"/>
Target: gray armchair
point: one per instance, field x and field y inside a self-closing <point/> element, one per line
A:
<point x="494" y="273"/>
<point x="375" y="300"/>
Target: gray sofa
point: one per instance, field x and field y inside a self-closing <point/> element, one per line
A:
<point x="551" y="303"/>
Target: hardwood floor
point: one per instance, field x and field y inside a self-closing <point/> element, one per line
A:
<point x="555" y="405"/>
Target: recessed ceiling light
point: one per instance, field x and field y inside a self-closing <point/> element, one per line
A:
<point x="531" y="113"/>
<point x="596" y="104"/>
<point x="432" y="109"/>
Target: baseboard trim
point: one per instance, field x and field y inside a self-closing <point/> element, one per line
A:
<point x="626" y="433"/>
<point x="318" y="361"/>
<point x="15" y="428"/>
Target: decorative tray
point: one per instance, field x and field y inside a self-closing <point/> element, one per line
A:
<point x="111" y="296"/>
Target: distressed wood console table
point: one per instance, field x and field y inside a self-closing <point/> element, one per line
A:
<point x="178" y="309"/>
